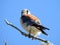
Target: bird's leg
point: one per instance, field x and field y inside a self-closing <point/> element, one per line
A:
<point x="29" y="33"/>
<point x="33" y="37"/>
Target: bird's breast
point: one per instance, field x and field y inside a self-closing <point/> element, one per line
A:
<point x="24" y="25"/>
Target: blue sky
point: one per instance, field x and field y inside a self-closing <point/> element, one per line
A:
<point x="48" y="11"/>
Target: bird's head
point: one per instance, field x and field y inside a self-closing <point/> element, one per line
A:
<point x="25" y="11"/>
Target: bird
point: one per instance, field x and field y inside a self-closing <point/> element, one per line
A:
<point x="32" y="24"/>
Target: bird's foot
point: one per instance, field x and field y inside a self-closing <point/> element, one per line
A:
<point x="29" y="35"/>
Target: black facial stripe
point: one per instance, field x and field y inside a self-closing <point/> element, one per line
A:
<point x="22" y="12"/>
<point x="27" y="11"/>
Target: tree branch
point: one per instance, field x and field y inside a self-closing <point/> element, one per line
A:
<point x="23" y="33"/>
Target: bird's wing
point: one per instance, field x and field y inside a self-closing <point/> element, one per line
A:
<point x="30" y="19"/>
<point x="33" y="18"/>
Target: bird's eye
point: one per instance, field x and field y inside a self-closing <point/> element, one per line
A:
<point x="27" y="11"/>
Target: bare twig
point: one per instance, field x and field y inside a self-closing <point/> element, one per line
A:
<point x="23" y="33"/>
<point x="49" y="43"/>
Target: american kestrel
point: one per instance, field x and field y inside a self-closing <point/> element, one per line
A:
<point x="31" y="23"/>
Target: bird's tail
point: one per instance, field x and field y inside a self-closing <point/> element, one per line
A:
<point x="42" y="28"/>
